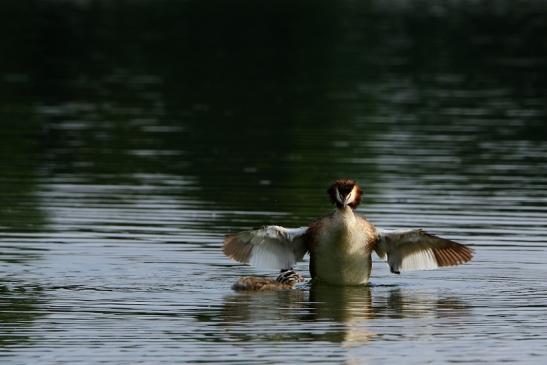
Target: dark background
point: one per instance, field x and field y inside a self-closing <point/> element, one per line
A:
<point x="253" y="96"/>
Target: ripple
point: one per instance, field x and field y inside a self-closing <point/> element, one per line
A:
<point x="125" y="167"/>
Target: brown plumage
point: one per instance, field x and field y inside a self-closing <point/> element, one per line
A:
<point x="255" y="283"/>
<point x="237" y="249"/>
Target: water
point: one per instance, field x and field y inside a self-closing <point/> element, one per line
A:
<point x="136" y="135"/>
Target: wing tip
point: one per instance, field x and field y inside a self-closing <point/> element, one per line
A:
<point x="236" y="250"/>
<point x="455" y="254"/>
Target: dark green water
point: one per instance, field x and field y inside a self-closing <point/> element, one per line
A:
<point x="135" y="134"/>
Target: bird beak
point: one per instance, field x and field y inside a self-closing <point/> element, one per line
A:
<point x="344" y="200"/>
<point x="347" y="199"/>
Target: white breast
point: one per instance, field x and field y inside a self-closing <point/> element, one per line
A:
<point x="341" y="256"/>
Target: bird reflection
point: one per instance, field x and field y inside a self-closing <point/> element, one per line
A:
<point x="324" y="313"/>
<point x="263" y="306"/>
<point x="340" y="303"/>
<point x="347" y="305"/>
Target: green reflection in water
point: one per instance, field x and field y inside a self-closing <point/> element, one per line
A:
<point x="252" y="97"/>
<point x="20" y="212"/>
<point x="19" y="161"/>
<point x="18" y="309"/>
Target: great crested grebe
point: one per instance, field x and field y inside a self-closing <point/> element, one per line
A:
<point x="340" y="247"/>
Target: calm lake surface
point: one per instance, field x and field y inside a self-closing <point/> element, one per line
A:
<point x="135" y="134"/>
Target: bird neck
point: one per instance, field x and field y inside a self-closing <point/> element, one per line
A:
<point x="345" y="214"/>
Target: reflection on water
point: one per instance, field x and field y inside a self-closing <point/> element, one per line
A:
<point x="135" y="135"/>
<point x="18" y="309"/>
<point x="341" y="304"/>
<point x="327" y="313"/>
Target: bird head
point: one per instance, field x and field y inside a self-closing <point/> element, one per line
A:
<point x="345" y="193"/>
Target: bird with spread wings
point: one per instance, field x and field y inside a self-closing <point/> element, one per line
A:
<point x="340" y="244"/>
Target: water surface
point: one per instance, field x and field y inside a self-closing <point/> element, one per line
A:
<point x="135" y="135"/>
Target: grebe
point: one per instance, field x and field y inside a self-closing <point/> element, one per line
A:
<point x="340" y="247"/>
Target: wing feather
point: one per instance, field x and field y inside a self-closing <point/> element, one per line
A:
<point x="271" y="247"/>
<point x="416" y="249"/>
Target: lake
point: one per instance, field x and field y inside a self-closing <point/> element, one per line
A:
<point x="136" y="134"/>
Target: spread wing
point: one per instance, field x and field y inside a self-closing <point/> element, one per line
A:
<point x="416" y="249"/>
<point x="272" y="247"/>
